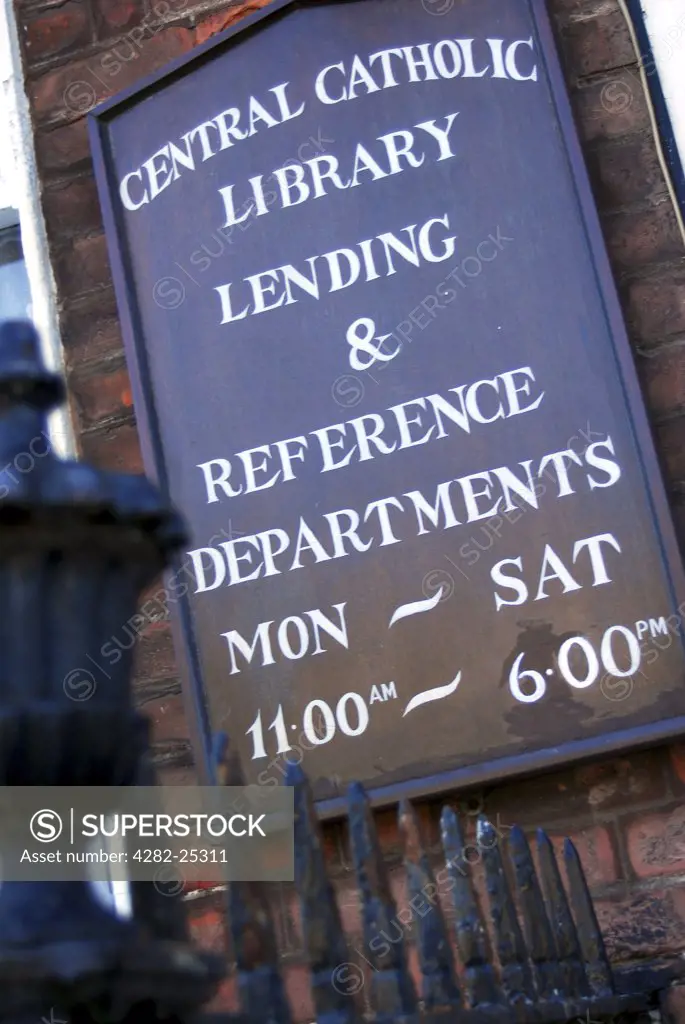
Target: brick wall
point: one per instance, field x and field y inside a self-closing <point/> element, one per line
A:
<point x="628" y="814"/>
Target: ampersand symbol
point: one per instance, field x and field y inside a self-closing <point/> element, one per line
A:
<point x="360" y="338"/>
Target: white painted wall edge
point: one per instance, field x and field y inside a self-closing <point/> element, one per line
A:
<point x="27" y="200"/>
<point x="665" y="24"/>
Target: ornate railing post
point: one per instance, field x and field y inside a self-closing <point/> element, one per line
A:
<point x="76" y="548"/>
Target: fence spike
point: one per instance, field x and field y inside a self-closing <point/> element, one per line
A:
<point x="250" y="925"/>
<point x="471" y="933"/>
<point x="597" y="967"/>
<point x="439" y="986"/>
<point x="516" y="977"/>
<point x="324" y="939"/>
<point x="572" y="972"/>
<point x="536" y="928"/>
<point x="260" y="987"/>
<point x="392" y="989"/>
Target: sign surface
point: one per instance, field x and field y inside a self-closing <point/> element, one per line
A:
<point x="379" y="366"/>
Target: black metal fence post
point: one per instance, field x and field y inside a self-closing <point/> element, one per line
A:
<point x="76" y="548"/>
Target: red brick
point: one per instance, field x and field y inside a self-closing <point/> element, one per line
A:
<point x="642" y="924"/>
<point x="172" y="752"/>
<point x="564" y="11"/>
<point x="284" y="908"/>
<point x="72" y="207"/>
<point x="677" y="755"/>
<point x="131" y="57"/>
<point x="677" y="894"/>
<point x="348" y="899"/>
<point x="157" y="600"/>
<point x="83" y="265"/>
<point x="672" y="1005"/>
<point x="112" y="17"/>
<point x="226" y="998"/>
<point x="595" y="846"/>
<point x="113" y="448"/>
<point x="656" y="305"/>
<point x="154" y="602"/>
<point x="63" y="148"/>
<point x="597" y="43"/>
<point x="389" y="833"/>
<point x="66" y="92"/>
<point x="154" y="657"/>
<point x="648" y="236"/>
<point x="70" y="91"/>
<point x="611" y="106"/>
<point x="101" y="396"/>
<point x="298" y="987"/>
<point x="29" y="8"/>
<point x="534" y="801"/>
<point x="662" y="373"/>
<point x="616" y="784"/>
<point x="213" y="23"/>
<point x="169" y="721"/>
<point x="220" y="20"/>
<point x="587" y="790"/>
<point x="624" y="171"/>
<point x="170" y="776"/>
<point x="656" y="843"/>
<point x="206" y="923"/>
<point x="671" y="447"/>
<point x="57" y="31"/>
<point x="90" y="330"/>
<point x="147" y="693"/>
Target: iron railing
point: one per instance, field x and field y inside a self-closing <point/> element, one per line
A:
<point x="76" y="548"/>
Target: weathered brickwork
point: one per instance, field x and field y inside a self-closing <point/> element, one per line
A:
<point x="626" y="814"/>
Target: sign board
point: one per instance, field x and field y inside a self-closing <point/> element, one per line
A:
<point x="380" y="367"/>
